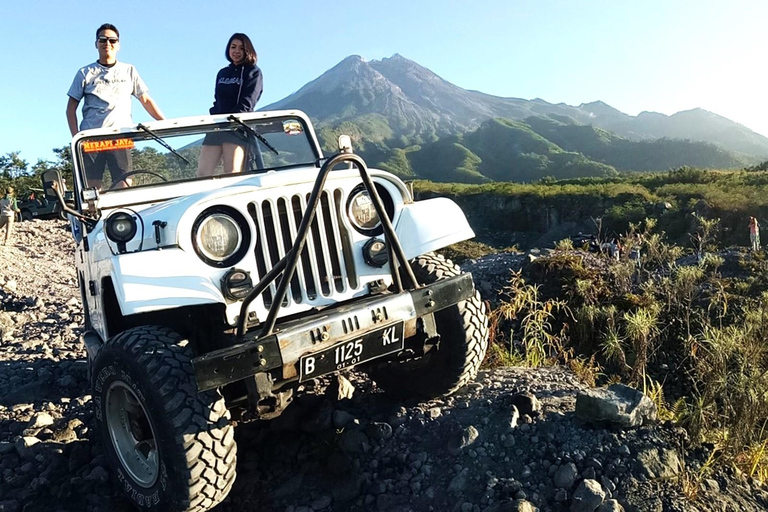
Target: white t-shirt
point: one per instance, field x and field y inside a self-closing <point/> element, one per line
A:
<point x="107" y="92"/>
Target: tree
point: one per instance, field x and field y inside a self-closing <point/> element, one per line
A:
<point x="11" y="166"/>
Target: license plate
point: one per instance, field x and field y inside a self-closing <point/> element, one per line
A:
<point x="348" y="353"/>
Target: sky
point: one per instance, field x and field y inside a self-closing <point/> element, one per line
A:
<point x="636" y="55"/>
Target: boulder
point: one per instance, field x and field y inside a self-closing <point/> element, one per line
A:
<point x="618" y="405"/>
<point x="659" y="462"/>
<point x="588" y="496"/>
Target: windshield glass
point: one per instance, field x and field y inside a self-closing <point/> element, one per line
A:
<point x="152" y="157"/>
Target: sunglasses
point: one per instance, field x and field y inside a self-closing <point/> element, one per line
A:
<point x="112" y="40"/>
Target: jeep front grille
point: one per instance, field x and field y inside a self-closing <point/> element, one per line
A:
<point x="326" y="265"/>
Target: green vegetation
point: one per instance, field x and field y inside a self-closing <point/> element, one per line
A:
<point x="18" y="173"/>
<point x="525" y="213"/>
<point x="689" y="331"/>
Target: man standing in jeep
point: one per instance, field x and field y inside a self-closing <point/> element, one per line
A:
<point x="107" y="86"/>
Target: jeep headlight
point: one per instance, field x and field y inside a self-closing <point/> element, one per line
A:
<point x="121" y="227"/>
<point x="361" y="211"/>
<point x="221" y="237"/>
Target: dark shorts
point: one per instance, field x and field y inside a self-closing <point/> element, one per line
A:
<point x="118" y="162"/>
<point x="219" y="138"/>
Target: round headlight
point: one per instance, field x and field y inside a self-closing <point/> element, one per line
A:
<point x="219" y="237"/>
<point x="362" y="213"/>
<point x="121" y="227"/>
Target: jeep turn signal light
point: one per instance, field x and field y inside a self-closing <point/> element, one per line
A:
<point x="236" y="284"/>
<point x="375" y="253"/>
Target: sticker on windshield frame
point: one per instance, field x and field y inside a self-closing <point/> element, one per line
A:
<point x="292" y="127"/>
<point x="95" y="146"/>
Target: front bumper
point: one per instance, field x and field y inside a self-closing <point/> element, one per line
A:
<point x="317" y="332"/>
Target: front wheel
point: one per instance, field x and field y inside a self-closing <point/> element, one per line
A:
<point x="463" y="330"/>
<point x="172" y="448"/>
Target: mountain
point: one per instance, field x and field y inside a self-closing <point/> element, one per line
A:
<point x="398" y="112"/>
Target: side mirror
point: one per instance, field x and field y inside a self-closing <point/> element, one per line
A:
<point x="51" y="182"/>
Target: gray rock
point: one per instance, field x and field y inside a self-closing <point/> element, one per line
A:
<point x="341" y="388"/>
<point x="565" y="477"/>
<point x="659" y="462"/>
<point x="619" y="405"/>
<point x="463" y="439"/>
<point x="67" y="382"/>
<point x="610" y="506"/>
<point x="41" y="420"/>
<point x="587" y="496"/>
<point x="607" y="484"/>
<point x="378" y="430"/>
<point x="459" y="482"/>
<point x="24" y="446"/>
<point x="709" y="484"/>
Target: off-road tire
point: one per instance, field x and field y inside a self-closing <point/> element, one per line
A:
<point x="194" y="455"/>
<point x="463" y="328"/>
<point x="26" y="215"/>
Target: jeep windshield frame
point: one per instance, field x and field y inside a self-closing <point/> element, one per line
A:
<point x="138" y="158"/>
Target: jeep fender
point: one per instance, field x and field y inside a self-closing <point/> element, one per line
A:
<point x="431" y="224"/>
<point x="155" y="280"/>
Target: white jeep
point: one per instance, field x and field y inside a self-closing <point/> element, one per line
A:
<point x="212" y="298"/>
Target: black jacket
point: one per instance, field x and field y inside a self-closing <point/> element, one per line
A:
<point x="238" y="88"/>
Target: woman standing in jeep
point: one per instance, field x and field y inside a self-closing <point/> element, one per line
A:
<point x="238" y="88"/>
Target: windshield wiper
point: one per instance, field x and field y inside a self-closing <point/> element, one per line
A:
<point x="161" y="142"/>
<point x="254" y="133"/>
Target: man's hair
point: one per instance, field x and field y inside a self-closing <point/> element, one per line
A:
<point x="107" y="26"/>
<point x="250" y="52"/>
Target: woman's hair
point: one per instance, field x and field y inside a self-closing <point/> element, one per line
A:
<point x="250" y="53"/>
<point x="9" y="190"/>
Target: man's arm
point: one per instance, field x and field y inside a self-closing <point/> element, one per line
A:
<point x="72" y="114"/>
<point x="151" y="107"/>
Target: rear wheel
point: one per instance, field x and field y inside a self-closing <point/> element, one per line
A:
<point x="26" y="215"/>
<point x="463" y="330"/>
<point x="172" y="448"/>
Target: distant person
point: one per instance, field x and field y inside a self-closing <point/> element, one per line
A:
<point x="106" y="86"/>
<point x="754" y="233"/>
<point x="238" y="89"/>
<point x="8" y="210"/>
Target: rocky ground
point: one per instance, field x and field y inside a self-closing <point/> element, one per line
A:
<point x="509" y="441"/>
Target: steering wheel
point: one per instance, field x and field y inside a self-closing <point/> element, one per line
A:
<point x="133" y="173"/>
